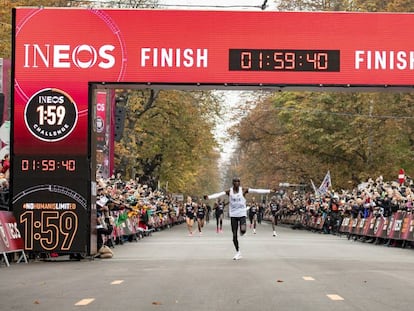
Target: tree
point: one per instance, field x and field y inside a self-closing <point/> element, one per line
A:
<point x="168" y="138"/>
<point x="347" y="5"/>
<point x="296" y="137"/>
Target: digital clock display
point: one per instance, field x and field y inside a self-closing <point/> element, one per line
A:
<point x="284" y="60"/>
<point x="49" y="165"/>
<point x="60" y="165"/>
<point x="51" y="202"/>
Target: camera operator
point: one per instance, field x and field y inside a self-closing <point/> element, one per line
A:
<point x="104" y="226"/>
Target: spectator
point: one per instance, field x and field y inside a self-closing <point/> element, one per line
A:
<point x="5" y="165"/>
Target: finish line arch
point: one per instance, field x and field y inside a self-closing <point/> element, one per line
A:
<point x="63" y="57"/>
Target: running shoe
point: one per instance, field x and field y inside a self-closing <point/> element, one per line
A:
<point x="274" y="233"/>
<point x="190" y="234"/>
<point x="237" y="256"/>
<point x="201" y="233"/>
<point x="254" y="231"/>
<point x="221" y="230"/>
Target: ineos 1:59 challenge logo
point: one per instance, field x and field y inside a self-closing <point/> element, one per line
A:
<point x="51" y="115"/>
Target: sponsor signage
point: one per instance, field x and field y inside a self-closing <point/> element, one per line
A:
<point x="58" y="61"/>
<point x="10" y="237"/>
<point x="185" y="47"/>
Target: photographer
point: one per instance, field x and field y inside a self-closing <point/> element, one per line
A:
<point x="104" y="227"/>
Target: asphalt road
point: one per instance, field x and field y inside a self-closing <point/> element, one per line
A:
<point x="297" y="270"/>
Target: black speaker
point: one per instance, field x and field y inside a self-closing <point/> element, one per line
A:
<point x="119" y="122"/>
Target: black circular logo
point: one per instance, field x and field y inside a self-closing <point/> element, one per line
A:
<point x="51" y="115"/>
<point x="100" y="125"/>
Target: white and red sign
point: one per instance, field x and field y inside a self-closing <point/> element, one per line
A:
<point x="10" y="237"/>
<point x="401" y="176"/>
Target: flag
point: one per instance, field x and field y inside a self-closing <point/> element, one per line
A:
<point x="314" y="188"/>
<point x="326" y="184"/>
<point x="121" y="219"/>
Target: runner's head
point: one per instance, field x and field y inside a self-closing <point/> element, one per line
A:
<point x="236" y="181"/>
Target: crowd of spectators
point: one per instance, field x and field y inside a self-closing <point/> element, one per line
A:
<point x="157" y="210"/>
<point x="376" y="198"/>
<point x="130" y="210"/>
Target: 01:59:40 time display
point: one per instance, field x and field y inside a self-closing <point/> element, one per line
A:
<point x="48" y="165"/>
<point x="284" y="60"/>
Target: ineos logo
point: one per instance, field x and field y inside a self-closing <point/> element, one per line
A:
<point x="82" y="56"/>
<point x="51" y="99"/>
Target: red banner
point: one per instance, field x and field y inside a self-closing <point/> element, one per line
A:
<point x="10" y="238"/>
<point x="344" y="228"/>
<point x="369" y="226"/>
<point x="58" y="61"/>
<point x="186" y="47"/>
<point x="395" y="226"/>
<point x="407" y="231"/>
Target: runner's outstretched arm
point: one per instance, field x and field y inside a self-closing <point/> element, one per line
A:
<point x="215" y="195"/>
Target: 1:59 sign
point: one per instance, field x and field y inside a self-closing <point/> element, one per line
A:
<point x="52" y="213"/>
<point x="51" y="115"/>
<point x="52" y="230"/>
<point x="50" y="199"/>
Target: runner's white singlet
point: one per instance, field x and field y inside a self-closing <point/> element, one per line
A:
<point x="237" y="204"/>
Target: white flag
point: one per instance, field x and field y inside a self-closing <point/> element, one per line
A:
<point x="326" y="184"/>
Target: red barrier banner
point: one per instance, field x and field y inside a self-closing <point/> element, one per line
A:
<point x="319" y="222"/>
<point x="369" y="226"/>
<point x="353" y="225"/>
<point x="378" y="224"/>
<point x="312" y="222"/>
<point x="10" y="237"/>
<point x="359" y="230"/>
<point x="407" y="231"/>
<point x="345" y="225"/>
<point x="395" y="226"/>
<point x="383" y="228"/>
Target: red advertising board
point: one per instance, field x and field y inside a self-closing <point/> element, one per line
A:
<point x="10" y="237"/>
<point x="396" y="226"/>
<point x="191" y="47"/>
<point x="369" y="226"/>
<point x="344" y="228"/>
<point x="407" y="231"/>
<point x="58" y="62"/>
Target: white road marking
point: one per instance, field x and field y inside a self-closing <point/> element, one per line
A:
<point x="335" y="297"/>
<point x="117" y="282"/>
<point x="308" y="278"/>
<point x="84" y="302"/>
